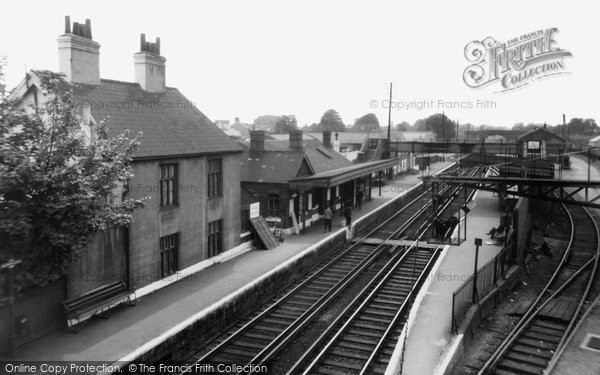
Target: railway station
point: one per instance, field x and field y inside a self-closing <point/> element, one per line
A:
<point x="409" y="281"/>
<point x="141" y="237"/>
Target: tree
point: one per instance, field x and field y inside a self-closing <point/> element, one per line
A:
<point x="368" y="122"/>
<point x="579" y="126"/>
<point x="518" y="126"/>
<point x="285" y="124"/>
<point x="266" y="122"/>
<point x="57" y="189"/>
<point x="438" y="123"/>
<point x="403" y="126"/>
<point x="331" y="121"/>
<point x="2" y="84"/>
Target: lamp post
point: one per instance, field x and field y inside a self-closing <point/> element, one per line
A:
<point x="478" y="243"/>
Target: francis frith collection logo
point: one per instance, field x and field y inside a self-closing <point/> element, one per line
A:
<point x="515" y="63"/>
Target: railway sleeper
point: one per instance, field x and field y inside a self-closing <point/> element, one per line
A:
<point x="518" y="367"/>
<point x="526" y="349"/>
<point x="526" y="358"/>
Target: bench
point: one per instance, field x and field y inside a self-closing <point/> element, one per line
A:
<point x="94" y="302"/>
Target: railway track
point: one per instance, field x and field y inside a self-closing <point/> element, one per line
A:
<point x="363" y="338"/>
<point x="259" y="339"/>
<point x="531" y="347"/>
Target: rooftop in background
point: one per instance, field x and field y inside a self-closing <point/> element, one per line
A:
<point x="539" y="134"/>
<point x="278" y="163"/>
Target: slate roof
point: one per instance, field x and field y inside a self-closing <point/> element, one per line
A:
<point x="171" y="124"/>
<point x="242" y="129"/>
<point x="279" y="164"/>
<point x="538" y="134"/>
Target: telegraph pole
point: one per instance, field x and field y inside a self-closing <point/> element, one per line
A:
<point x="389" y="132"/>
<point x="457" y="121"/>
<point x="389" y="172"/>
<point x="444" y="126"/>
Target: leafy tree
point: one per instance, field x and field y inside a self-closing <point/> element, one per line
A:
<point x="285" y="124"/>
<point x="57" y="189"/>
<point x="266" y="122"/>
<point x="368" y="122"/>
<point x="403" y="126"/>
<point x="332" y="121"/>
<point x="438" y="123"/>
<point x="420" y="125"/>
<point x="579" y="126"/>
<point x="518" y="126"/>
<point x="2" y="84"/>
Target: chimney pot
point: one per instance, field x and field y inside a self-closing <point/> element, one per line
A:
<point x="150" y="70"/>
<point x="88" y="28"/>
<point x="67" y="25"/>
<point x="78" y="54"/>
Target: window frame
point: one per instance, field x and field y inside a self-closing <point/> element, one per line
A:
<point x="172" y="191"/>
<point x="271" y="199"/>
<point x="214" y="238"/>
<point x="169" y="254"/>
<point x="214" y="179"/>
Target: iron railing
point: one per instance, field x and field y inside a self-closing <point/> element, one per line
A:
<point x="488" y="276"/>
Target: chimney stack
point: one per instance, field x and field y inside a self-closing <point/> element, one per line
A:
<point x="327" y="139"/>
<point x="257" y="142"/>
<point x="150" y="66"/>
<point x="78" y="54"/>
<point x="296" y="139"/>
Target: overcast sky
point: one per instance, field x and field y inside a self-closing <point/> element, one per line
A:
<point x="249" y="58"/>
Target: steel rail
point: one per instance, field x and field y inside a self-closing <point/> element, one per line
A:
<point x="535" y="307"/>
<point x="322" y="269"/>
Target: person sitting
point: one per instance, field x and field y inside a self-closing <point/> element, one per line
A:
<point x="545" y="249"/>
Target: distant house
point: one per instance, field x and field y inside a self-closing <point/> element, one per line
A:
<point x="186" y="165"/>
<point x="295" y="179"/>
<point x="242" y="128"/>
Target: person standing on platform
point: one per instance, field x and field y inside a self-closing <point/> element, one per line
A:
<point x="328" y="215"/>
<point x="348" y="214"/>
<point x="359" y="197"/>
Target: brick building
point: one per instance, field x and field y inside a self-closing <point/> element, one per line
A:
<point x="295" y="179"/>
<point x="186" y="165"/>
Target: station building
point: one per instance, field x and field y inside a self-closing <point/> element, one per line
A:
<point x="187" y="167"/>
<point x="541" y="143"/>
<point x="295" y="179"/>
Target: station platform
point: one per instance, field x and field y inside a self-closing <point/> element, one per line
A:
<point x="431" y="331"/>
<point x="159" y="312"/>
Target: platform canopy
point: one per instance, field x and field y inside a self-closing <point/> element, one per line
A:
<point x="338" y="176"/>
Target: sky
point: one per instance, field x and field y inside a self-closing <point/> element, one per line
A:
<point x="249" y="58"/>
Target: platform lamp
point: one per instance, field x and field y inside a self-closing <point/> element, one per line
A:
<point x="466" y="208"/>
<point x="478" y="242"/>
